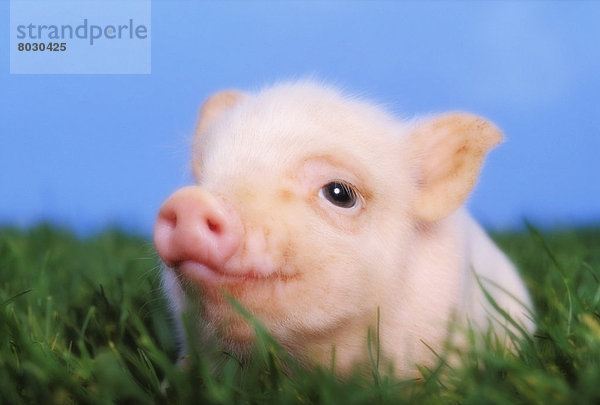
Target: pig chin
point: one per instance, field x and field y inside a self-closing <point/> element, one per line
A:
<point x="235" y="332"/>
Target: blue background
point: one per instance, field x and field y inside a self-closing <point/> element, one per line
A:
<point x="88" y="151"/>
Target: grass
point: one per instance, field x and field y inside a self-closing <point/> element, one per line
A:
<point x="83" y="321"/>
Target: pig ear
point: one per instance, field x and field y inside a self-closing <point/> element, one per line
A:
<point x="212" y="109"/>
<point x="449" y="151"/>
<point x="215" y="106"/>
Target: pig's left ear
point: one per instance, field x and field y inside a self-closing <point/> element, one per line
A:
<point x="449" y="151"/>
<point x="215" y="106"/>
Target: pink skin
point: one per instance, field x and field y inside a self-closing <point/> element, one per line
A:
<point x="197" y="233"/>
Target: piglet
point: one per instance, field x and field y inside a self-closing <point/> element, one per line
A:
<point x="317" y="211"/>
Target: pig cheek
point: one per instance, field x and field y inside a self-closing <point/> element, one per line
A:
<point x="330" y="284"/>
<point x="352" y="280"/>
<point x="332" y="276"/>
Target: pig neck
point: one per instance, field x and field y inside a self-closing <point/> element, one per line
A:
<point x="344" y="349"/>
<point x="432" y="281"/>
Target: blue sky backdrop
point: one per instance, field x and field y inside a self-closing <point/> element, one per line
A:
<point x="87" y="151"/>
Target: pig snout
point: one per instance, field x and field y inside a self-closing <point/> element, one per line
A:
<point x="193" y="225"/>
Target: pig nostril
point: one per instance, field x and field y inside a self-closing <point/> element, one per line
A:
<point x="171" y="219"/>
<point x="214" y="227"/>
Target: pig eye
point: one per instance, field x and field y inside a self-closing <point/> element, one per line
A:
<point x="339" y="194"/>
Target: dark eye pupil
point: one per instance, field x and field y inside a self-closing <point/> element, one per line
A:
<point x="340" y="194"/>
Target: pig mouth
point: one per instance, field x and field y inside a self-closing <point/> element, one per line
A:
<point x="199" y="272"/>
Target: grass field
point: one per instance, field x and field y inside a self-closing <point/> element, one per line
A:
<point x="83" y="321"/>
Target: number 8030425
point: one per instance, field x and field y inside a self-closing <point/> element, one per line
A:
<point x="42" y="46"/>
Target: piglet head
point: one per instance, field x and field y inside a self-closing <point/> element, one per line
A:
<point x="305" y="207"/>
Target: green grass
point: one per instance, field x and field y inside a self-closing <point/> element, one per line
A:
<point x="83" y="321"/>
